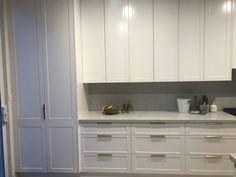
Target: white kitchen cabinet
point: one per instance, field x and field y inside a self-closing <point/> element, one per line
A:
<point x="166" y="40"/>
<point x="158" y="148"/>
<point x="105" y="147"/>
<point x="234" y="34"/>
<point x="93" y="41"/>
<point x="60" y="86"/>
<point x="46" y="130"/>
<point x="30" y="128"/>
<point x="141" y="40"/>
<point x="217" y="40"/>
<point x="117" y="45"/>
<point x="191" y="40"/>
<point x="208" y="146"/>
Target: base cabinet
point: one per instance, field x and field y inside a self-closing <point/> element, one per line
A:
<point x="158" y="148"/>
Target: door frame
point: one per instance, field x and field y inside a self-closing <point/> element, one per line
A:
<point x="6" y="88"/>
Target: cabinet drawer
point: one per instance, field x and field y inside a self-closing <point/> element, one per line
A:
<point x="111" y="163"/>
<point x="158" y="128"/>
<point x="158" y="143"/>
<point x="211" y="165"/>
<point x="211" y="128"/>
<point x="106" y="143"/>
<point x="211" y="144"/>
<point x="105" y="127"/>
<point x="158" y="163"/>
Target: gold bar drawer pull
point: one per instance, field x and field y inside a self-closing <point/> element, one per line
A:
<point x="160" y="123"/>
<point x="214" y="123"/>
<point x="213" y="156"/>
<point x="104" y="155"/>
<point x="104" y="136"/>
<point x="157" y="155"/>
<point x="157" y="136"/>
<point x="213" y="136"/>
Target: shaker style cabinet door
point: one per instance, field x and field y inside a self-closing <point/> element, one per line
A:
<point x="191" y="40"/>
<point x="166" y="37"/>
<point x="30" y="130"/>
<point x="61" y="121"/>
<point x="217" y="40"/>
<point x="234" y="35"/>
<point x="140" y="15"/>
<point x="117" y="45"/>
<point x="93" y="41"/>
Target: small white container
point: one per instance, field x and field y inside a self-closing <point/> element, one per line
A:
<point x="213" y="108"/>
<point x="183" y="105"/>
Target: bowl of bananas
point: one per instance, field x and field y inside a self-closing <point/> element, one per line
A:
<point x="110" y="110"/>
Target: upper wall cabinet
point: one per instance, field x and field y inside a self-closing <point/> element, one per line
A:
<point x="93" y="40"/>
<point x="166" y="40"/>
<point x="191" y="37"/>
<point x="140" y="15"/>
<point x="217" y="40"/>
<point x="157" y="40"/>
<point x="117" y="45"/>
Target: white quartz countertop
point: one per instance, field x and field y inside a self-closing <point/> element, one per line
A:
<point x="156" y="116"/>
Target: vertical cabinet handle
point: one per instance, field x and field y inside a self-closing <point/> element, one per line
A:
<point x="44" y="111"/>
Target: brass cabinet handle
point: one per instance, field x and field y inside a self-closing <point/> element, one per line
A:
<point x="213" y="156"/>
<point x="44" y="111"/>
<point x="104" y="122"/>
<point x="213" y="136"/>
<point x="104" y="136"/>
<point x="157" y="123"/>
<point x="104" y="155"/>
<point x="157" y="136"/>
<point x="214" y="123"/>
<point x="157" y="155"/>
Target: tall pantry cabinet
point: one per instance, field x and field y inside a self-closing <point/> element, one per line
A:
<point x="44" y="66"/>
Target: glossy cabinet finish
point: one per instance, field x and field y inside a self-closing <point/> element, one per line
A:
<point x="46" y="128"/>
<point x="141" y="40"/>
<point x="166" y="40"/>
<point x="117" y="45"/>
<point x="217" y="40"/>
<point x="191" y="37"/>
<point x="93" y="40"/>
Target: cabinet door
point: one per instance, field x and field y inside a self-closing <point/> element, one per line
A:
<point x="93" y="40"/>
<point x="60" y="87"/>
<point x="217" y="40"/>
<point x="191" y="40"/>
<point x="30" y="128"/>
<point x="141" y="40"/>
<point x="117" y="53"/>
<point x="234" y="35"/>
<point x="166" y="38"/>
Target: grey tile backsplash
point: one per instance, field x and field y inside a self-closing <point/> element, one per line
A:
<point x="160" y="96"/>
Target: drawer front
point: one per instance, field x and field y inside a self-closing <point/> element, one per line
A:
<point x="106" y="163"/>
<point x="105" y="127"/>
<point x="200" y="165"/>
<point x="158" y="143"/>
<point x="106" y="143"/>
<point x="211" y="128"/>
<point x="158" y="164"/>
<point x="211" y="144"/>
<point x="158" y="128"/>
